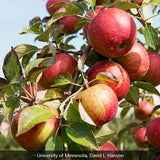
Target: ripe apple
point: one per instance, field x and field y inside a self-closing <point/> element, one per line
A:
<point x="35" y="138"/>
<point x="69" y="23"/>
<point x="121" y="88"/>
<point x="143" y="111"/>
<point x="141" y="139"/>
<point x="30" y="94"/>
<point x="64" y="63"/>
<point x="134" y="129"/>
<point x="91" y="15"/>
<point x="108" y="146"/>
<point x="153" y="73"/>
<point x="100" y="103"/>
<point x="136" y="62"/>
<point x="112" y="32"/>
<point x="52" y="9"/>
<point x="153" y="132"/>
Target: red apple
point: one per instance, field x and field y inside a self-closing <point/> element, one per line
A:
<point x="100" y="103"/>
<point x="153" y="73"/>
<point x="108" y="146"/>
<point x="141" y="139"/>
<point x="134" y="129"/>
<point x="91" y="15"/>
<point x="143" y="111"/>
<point x="69" y="23"/>
<point x="64" y="63"/>
<point x="52" y="9"/>
<point x="112" y="32"/>
<point x="136" y="62"/>
<point x="121" y="88"/>
<point x="30" y="94"/>
<point x="153" y="132"/>
<point x="35" y="138"/>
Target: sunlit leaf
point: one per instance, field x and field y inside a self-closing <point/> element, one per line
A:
<point x="151" y="36"/>
<point x="25" y="49"/>
<point x="54" y="143"/>
<point x="81" y="134"/>
<point x="11" y="65"/>
<point x="147" y="87"/>
<point x="103" y="134"/>
<point x="107" y="76"/>
<point x="62" y="79"/>
<point x="31" y="116"/>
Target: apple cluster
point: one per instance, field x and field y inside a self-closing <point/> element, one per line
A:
<point x="111" y="33"/>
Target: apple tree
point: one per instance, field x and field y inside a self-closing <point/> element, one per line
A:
<point x="58" y="98"/>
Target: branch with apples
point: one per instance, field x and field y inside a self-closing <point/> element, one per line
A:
<point x="56" y="98"/>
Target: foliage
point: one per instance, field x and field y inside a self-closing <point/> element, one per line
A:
<point x="20" y="69"/>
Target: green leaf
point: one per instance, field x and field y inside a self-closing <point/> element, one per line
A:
<point x="54" y="143"/>
<point x="147" y="86"/>
<point x="107" y="76"/>
<point x="53" y="94"/>
<point x="81" y="134"/>
<point x="25" y="49"/>
<point x="36" y="28"/>
<point x="68" y="9"/>
<point x="33" y="69"/>
<point x="31" y="116"/>
<point x="103" y="134"/>
<point x="62" y="79"/>
<point x="44" y="36"/>
<point x="11" y="65"/>
<point x="73" y="114"/>
<point x="124" y="111"/>
<point x="151" y="36"/>
<point x="91" y="2"/>
<point x="126" y="5"/>
<point x="92" y="58"/>
<point x="16" y="80"/>
<point x="133" y="95"/>
<point x="11" y="101"/>
<point x="154" y="2"/>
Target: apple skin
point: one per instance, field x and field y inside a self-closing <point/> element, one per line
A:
<point x="64" y="63"/>
<point x="134" y="129"/>
<point x="153" y="132"/>
<point x="52" y="10"/>
<point x="143" y="111"/>
<point x="91" y="15"/>
<point x="141" y="139"/>
<point x="136" y="62"/>
<point x="69" y="23"/>
<point x="36" y="137"/>
<point x="28" y="89"/>
<point x="153" y="73"/>
<point x="108" y="148"/>
<point x="112" y="32"/>
<point x="100" y="103"/>
<point x="121" y="88"/>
